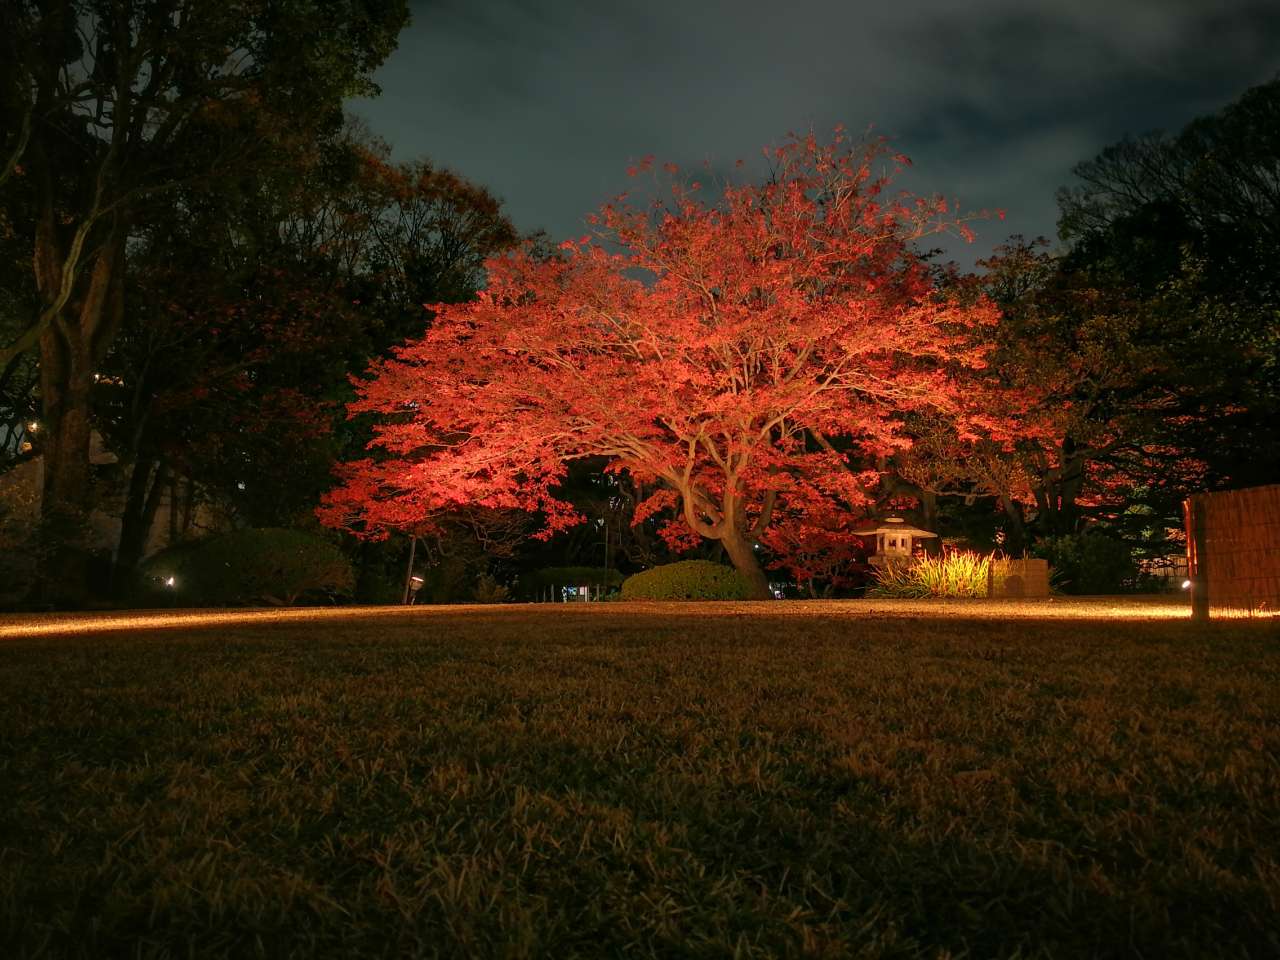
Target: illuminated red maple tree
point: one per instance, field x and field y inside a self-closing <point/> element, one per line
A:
<point x="717" y="349"/>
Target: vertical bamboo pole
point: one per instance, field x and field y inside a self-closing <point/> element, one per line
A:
<point x="1195" y="508"/>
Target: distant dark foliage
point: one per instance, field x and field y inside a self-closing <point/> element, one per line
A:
<point x="1090" y="563"/>
<point x="574" y="577"/>
<point x="1186" y="228"/>
<point x="276" y="567"/>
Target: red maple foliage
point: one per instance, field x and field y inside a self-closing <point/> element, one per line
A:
<point x="713" y="347"/>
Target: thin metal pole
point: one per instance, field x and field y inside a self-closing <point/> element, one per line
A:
<point x="408" y="577"/>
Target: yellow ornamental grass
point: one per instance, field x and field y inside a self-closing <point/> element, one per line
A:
<point x="960" y="573"/>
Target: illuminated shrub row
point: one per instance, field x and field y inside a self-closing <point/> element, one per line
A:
<point x="268" y="566"/>
<point x="687" y="580"/>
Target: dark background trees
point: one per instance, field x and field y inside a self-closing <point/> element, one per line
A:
<point x="1187" y="229"/>
<point x="1154" y="329"/>
<point x="196" y="252"/>
<point x="230" y="379"/>
<point x="110" y="108"/>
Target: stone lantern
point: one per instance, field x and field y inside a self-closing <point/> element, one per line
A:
<point x="895" y="541"/>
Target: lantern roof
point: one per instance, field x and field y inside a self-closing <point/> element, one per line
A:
<point x="894" y="525"/>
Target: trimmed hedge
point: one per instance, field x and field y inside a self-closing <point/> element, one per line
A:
<point x="687" y="580"/>
<point x="266" y="566"/>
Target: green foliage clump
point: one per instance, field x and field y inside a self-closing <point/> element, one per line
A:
<point x="1089" y="563"/>
<point x="961" y="573"/>
<point x="263" y="566"/>
<point x="380" y="570"/>
<point x="447" y="579"/>
<point x="489" y="590"/>
<point x="687" y="580"/>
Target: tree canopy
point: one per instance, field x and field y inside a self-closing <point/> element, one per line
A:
<point x="713" y="352"/>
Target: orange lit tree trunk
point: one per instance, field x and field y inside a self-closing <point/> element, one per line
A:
<point x="725" y="518"/>
<point x="740" y="546"/>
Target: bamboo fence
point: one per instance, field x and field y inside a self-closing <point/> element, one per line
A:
<point x="1233" y="552"/>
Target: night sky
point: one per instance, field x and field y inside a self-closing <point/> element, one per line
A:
<point x="545" y="102"/>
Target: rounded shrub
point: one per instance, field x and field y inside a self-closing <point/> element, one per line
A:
<point x="267" y="566"/>
<point x="687" y="580"/>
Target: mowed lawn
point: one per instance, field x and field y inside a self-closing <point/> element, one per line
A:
<point x="642" y="780"/>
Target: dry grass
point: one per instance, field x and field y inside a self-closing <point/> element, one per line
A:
<point x="561" y="781"/>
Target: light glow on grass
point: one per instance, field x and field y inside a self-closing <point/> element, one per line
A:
<point x="1054" y="608"/>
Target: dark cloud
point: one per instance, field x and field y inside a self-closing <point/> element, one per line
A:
<point x="546" y="101"/>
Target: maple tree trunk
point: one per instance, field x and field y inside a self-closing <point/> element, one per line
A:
<point x="743" y="555"/>
<point x="1056" y="489"/>
<point x="1015" y="531"/>
<point x="929" y="507"/>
